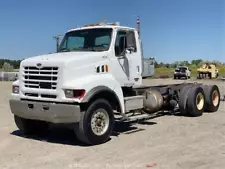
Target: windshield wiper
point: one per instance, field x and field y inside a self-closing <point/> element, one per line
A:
<point x="64" y="50"/>
<point x="84" y="49"/>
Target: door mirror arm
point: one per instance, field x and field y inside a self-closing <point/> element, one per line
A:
<point x="122" y="55"/>
<point x="130" y="49"/>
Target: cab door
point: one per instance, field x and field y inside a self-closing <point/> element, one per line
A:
<point x="127" y="61"/>
<point x="135" y="56"/>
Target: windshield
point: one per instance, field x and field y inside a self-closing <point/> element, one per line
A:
<point x="86" y="40"/>
<point x="181" y="69"/>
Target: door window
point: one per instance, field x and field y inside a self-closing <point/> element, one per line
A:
<point x="124" y="40"/>
<point x="131" y="42"/>
<point x="120" y="44"/>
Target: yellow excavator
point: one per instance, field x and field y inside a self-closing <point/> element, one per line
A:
<point x="207" y="70"/>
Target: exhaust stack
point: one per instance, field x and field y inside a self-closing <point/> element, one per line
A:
<point x="138" y="25"/>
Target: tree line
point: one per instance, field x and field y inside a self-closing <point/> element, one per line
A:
<point x="193" y="63"/>
<point x="9" y="65"/>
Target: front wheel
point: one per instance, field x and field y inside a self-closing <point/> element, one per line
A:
<point x="96" y="124"/>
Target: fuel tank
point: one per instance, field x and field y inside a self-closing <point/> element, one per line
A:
<point x="153" y="101"/>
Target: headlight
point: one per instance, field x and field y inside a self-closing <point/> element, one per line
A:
<point x="15" y="89"/>
<point x="70" y="93"/>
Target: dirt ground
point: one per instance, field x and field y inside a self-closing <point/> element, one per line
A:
<point x="166" y="142"/>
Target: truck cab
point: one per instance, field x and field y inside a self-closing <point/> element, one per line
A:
<point x="91" y="61"/>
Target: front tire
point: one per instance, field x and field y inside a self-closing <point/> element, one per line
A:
<point x="96" y="124"/>
<point x="28" y="126"/>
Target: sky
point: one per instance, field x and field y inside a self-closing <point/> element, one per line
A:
<point x="171" y="30"/>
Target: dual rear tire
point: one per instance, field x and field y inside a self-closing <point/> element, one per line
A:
<point x="198" y="99"/>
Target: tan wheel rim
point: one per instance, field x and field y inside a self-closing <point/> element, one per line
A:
<point x="200" y="101"/>
<point x="100" y="122"/>
<point x="215" y="98"/>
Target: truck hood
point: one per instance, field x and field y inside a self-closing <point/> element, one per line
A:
<point x="65" y="57"/>
<point x="71" y="65"/>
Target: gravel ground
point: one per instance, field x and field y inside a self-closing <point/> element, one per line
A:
<point x="166" y="142"/>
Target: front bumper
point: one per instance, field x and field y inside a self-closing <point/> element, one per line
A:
<point x="49" y="112"/>
<point x="180" y="75"/>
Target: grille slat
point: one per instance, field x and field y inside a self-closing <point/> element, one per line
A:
<point x="42" y="78"/>
<point x="31" y="80"/>
<point x="41" y="70"/>
<point x="43" y="75"/>
<point x="42" y="95"/>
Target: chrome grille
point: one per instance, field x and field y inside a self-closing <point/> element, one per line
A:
<point x="40" y="78"/>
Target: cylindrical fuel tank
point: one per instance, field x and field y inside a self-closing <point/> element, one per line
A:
<point x="153" y="101"/>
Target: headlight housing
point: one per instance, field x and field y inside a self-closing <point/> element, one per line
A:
<point x="78" y="93"/>
<point x="15" y="89"/>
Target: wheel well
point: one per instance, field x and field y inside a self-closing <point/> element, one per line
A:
<point x="107" y="95"/>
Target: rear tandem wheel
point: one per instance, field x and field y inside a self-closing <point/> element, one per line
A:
<point x="198" y="99"/>
<point x="192" y="101"/>
<point x="212" y="98"/>
<point x="183" y="100"/>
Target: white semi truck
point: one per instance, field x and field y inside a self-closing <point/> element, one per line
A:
<point x="95" y="79"/>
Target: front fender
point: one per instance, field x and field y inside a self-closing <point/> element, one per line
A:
<point x="95" y="83"/>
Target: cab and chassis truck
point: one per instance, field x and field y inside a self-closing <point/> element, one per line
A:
<point x="94" y="80"/>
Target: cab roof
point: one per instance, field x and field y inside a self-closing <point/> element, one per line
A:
<point x="101" y="26"/>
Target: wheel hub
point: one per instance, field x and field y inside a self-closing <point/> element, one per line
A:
<point x="200" y="101"/>
<point x="215" y="98"/>
<point x="100" y="122"/>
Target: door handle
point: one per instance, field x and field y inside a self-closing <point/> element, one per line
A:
<point x="138" y="69"/>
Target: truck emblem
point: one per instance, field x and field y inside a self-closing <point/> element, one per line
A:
<point x="39" y="65"/>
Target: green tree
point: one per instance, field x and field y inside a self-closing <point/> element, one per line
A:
<point x="196" y="62"/>
<point x="7" y="67"/>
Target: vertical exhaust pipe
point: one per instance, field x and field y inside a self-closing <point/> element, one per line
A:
<point x="139" y="33"/>
<point x="138" y="25"/>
